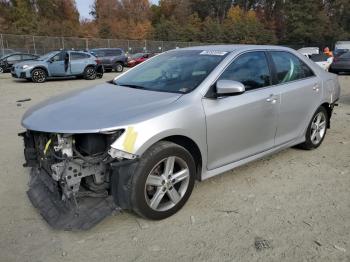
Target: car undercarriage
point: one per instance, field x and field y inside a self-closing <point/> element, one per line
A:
<point x="71" y="177"/>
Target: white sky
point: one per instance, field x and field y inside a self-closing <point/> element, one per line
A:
<point x="84" y="7"/>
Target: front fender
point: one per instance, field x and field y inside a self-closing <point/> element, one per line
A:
<point x="188" y="122"/>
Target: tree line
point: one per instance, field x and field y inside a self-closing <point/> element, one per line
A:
<point x="212" y="21"/>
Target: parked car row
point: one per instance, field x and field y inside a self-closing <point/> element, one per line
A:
<point x="88" y="64"/>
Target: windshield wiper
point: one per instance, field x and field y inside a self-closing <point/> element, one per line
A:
<point x="131" y="86"/>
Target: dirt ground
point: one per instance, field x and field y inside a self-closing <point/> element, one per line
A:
<point x="299" y="201"/>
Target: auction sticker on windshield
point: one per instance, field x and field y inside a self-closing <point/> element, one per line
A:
<point x="212" y="52"/>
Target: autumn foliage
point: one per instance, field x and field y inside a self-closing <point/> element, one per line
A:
<point x="212" y="21"/>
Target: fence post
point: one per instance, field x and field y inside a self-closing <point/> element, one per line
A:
<point x="34" y="45"/>
<point x="109" y="44"/>
<point x="86" y="43"/>
<point x="145" y="49"/>
<point x="2" y="45"/>
<point x="62" y="42"/>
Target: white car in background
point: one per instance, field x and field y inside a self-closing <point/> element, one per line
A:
<point x="322" y="60"/>
<point x="307" y="51"/>
<point x="314" y="54"/>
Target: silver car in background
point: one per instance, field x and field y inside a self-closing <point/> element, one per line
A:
<point x="141" y="141"/>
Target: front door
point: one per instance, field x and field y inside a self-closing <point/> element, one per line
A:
<point x="244" y="125"/>
<point x="58" y="65"/>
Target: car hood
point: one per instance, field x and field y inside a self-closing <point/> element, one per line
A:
<point x="30" y="63"/>
<point x="96" y="109"/>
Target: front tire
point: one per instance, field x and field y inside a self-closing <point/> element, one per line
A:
<point x="163" y="181"/>
<point x="1" y="70"/>
<point x="39" y="75"/>
<point x="316" y="130"/>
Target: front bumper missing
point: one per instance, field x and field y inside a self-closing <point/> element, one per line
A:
<point x="83" y="214"/>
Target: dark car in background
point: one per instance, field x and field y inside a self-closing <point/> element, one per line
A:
<point x="111" y="58"/>
<point x="341" y="63"/>
<point x="138" y="58"/>
<point x="7" y="61"/>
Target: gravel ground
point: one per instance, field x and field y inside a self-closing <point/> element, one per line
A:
<point x="298" y="201"/>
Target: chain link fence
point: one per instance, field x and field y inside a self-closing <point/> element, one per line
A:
<point x="43" y="44"/>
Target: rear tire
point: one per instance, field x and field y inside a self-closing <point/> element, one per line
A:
<point x="39" y="75"/>
<point x="1" y="70"/>
<point x="118" y="67"/>
<point x="163" y="181"/>
<point x="90" y="73"/>
<point x="316" y="130"/>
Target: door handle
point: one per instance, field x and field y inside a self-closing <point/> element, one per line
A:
<point x="271" y="99"/>
<point x="316" y="88"/>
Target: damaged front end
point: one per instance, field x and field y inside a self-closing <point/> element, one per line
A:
<point x="74" y="178"/>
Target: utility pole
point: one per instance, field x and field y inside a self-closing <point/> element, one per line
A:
<point x="2" y="44"/>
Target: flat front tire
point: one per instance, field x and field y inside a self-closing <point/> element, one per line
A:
<point x="163" y="181"/>
<point x="316" y="130"/>
<point x="39" y="75"/>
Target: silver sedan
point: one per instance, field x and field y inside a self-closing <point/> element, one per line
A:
<point x="140" y="141"/>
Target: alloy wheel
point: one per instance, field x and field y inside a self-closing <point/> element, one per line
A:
<point x="39" y="76"/>
<point x="1" y="69"/>
<point x="318" y="128"/>
<point x="167" y="183"/>
<point x="91" y="73"/>
<point x="119" y="68"/>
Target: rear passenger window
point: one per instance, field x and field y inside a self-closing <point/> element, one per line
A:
<point x="251" y="69"/>
<point x="113" y="52"/>
<point x="78" y="56"/>
<point x="289" y="67"/>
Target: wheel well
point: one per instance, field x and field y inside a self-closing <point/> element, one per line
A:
<point x="329" y="110"/>
<point x="192" y="147"/>
<point x="91" y="65"/>
<point x="40" y="67"/>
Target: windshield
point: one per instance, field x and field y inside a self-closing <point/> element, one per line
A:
<point x="176" y="71"/>
<point x="47" y="56"/>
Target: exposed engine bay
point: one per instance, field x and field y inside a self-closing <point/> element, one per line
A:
<point x="73" y="172"/>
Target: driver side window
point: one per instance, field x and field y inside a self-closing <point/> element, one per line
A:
<point x="251" y="69"/>
<point x="58" y="57"/>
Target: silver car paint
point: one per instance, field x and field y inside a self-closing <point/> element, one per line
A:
<point x="229" y="132"/>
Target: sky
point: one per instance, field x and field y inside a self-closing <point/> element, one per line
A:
<point x="84" y="7"/>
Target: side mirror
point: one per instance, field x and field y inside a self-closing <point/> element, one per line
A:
<point x="229" y="88"/>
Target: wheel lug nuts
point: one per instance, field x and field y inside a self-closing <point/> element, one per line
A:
<point x="163" y="189"/>
<point x="163" y="182"/>
<point x="169" y="176"/>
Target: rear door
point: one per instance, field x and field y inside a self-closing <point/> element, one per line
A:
<point x="78" y="62"/>
<point x="243" y="125"/>
<point x="300" y="91"/>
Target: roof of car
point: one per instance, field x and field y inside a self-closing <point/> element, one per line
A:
<point x="231" y="48"/>
<point x="106" y="48"/>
